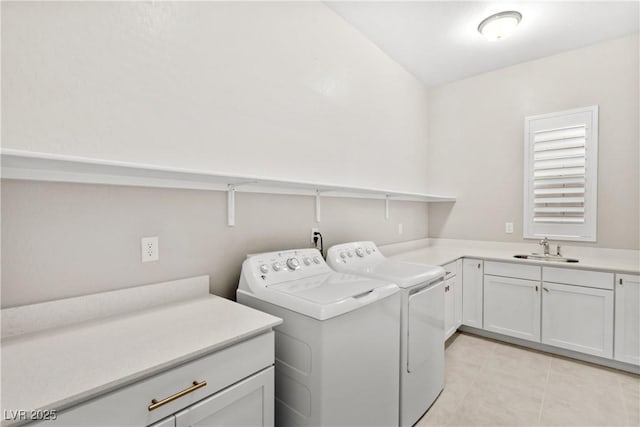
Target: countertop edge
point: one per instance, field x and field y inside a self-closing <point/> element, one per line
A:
<point x="79" y="399"/>
<point x="259" y="326"/>
<point x="458" y="253"/>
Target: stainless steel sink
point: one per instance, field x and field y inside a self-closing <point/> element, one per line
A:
<point x="553" y="258"/>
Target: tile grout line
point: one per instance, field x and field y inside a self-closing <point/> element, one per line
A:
<point x="627" y="412"/>
<point x="544" y="393"/>
<point x="623" y="410"/>
<point x="481" y="369"/>
<point x="470" y="388"/>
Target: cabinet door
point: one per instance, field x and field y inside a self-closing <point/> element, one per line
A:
<point x="247" y="403"/>
<point x="450" y="325"/>
<point x="627" y="333"/>
<point x="512" y="307"/>
<point x="578" y="318"/>
<point x="472" y="292"/>
<point x="457" y="292"/>
<point x="167" y="422"/>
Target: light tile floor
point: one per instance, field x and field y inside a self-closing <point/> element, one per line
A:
<point x="489" y="383"/>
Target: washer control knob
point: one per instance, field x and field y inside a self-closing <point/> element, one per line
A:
<point x="368" y="251"/>
<point x="276" y="266"/>
<point x="350" y="253"/>
<point x="360" y="252"/>
<point x="264" y="268"/>
<point x="293" y="263"/>
<point x="306" y="260"/>
<point x="343" y="254"/>
<point x="316" y="260"/>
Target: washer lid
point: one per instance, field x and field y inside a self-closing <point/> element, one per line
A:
<point x="404" y="274"/>
<point x="329" y="288"/>
<point x="326" y="295"/>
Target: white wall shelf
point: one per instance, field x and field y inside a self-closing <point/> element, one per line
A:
<point x="34" y="166"/>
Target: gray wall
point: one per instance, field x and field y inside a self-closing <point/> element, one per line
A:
<point x="476" y="141"/>
<point x="61" y="240"/>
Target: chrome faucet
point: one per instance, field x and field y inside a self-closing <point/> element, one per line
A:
<point x="545" y="245"/>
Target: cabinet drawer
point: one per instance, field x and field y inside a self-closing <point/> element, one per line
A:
<point x="451" y="269"/>
<point x="510" y="269"/>
<point x="247" y="403"/>
<point x="592" y="279"/>
<point x="128" y="406"/>
<point x="627" y="279"/>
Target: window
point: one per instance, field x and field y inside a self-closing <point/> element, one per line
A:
<point x="561" y="175"/>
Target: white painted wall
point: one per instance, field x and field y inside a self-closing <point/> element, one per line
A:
<point x="286" y="90"/>
<point x="476" y="141"/>
<point x="279" y="89"/>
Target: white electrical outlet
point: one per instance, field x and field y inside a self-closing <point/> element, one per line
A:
<point x="508" y="227"/>
<point x="400" y="228"/>
<point x="314" y="230"/>
<point x="150" y="251"/>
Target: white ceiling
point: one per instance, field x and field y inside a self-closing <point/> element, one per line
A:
<point x="438" y="41"/>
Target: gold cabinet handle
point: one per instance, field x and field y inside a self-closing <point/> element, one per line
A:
<point x="155" y="404"/>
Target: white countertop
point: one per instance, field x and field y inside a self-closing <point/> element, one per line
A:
<point x="443" y="251"/>
<point x="62" y="366"/>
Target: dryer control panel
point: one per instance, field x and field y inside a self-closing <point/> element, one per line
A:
<point x="277" y="267"/>
<point x="354" y="253"/>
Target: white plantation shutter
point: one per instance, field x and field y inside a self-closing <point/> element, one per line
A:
<point x="561" y="175"/>
<point x="558" y="175"/>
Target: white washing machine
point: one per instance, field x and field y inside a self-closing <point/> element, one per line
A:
<point x="422" y="334"/>
<point x="337" y="349"/>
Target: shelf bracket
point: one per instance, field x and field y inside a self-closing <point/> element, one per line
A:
<point x="317" y="205"/>
<point x="231" y="201"/>
<point x="386" y="207"/>
<point x="231" y="205"/>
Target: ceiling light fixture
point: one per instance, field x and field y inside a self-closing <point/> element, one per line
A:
<point x="499" y="26"/>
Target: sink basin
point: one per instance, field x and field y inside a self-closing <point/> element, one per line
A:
<point x="553" y="258"/>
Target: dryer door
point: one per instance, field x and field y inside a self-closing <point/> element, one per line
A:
<point x="425" y="332"/>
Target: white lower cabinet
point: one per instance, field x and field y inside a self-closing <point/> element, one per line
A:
<point x="567" y="308"/>
<point x="578" y="318"/>
<point x="452" y="298"/>
<point x="472" y="271"/>
<point x="232" y="386"/>
<point x="450" y="324"/>
<point x="512" y="307"/>
<point x="627" y="329"/>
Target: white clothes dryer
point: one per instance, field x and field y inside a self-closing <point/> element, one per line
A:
<point x="422" y="312"/>
<point x="337" y="348"/>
